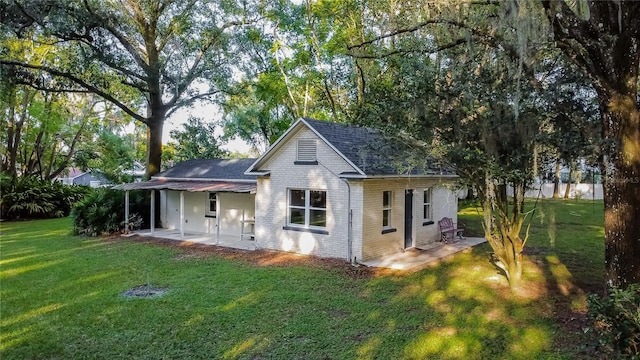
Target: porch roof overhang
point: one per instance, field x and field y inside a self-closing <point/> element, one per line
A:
<point x="191" y="186"/>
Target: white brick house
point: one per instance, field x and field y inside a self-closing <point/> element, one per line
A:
<point x="323" y="188"/>
<point x="332" y="190"/>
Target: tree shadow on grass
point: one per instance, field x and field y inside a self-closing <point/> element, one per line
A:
<point x="275" y="306"/>
<point x="567" y="295"/>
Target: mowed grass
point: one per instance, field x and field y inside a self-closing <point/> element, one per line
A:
<point x="60" y="298"/>
<point x="562" y="233"/>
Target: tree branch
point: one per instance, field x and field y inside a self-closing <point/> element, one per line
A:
<point x="190" y="101"/>
<point x="80" y="82"/>
<point x="122" y="39"/>
<point x="423" y="51"/>
<point x="576" y="36"/>
<point x="71" y="152"/>
<point x="408" y="30"/>
<point x="165" y="39"/>
<point x="191" y="74"/>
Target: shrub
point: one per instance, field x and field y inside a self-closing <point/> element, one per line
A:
<point x="31" y="198"/>
<point x="102" y="212"/>
<point x="617" y="320"/>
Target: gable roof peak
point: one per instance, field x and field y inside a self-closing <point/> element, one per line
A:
<point x="367" y="150"/>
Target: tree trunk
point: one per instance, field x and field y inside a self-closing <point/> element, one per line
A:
<point x="470" y="194"/>
<point x="622" y="194"/>
<point x="10" y="161"/>
<point x="502" y="230"/>
<point x="606" y="47"/>
<point x="14" y="133"/>
<point x="33" y="160"/>
<point x="514" y="273"/>
<point x="567" y="190"/>
<point x="556" y="181"/>
<point x="154" y="147"/>
<point x="154" y="153"/>
<point x="70" y="152"/>
<point x="621" y="132"/>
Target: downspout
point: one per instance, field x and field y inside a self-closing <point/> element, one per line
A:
<point x="350" y="224"/>
<point x="126" y="211"/>
<point x="152" y="221"/>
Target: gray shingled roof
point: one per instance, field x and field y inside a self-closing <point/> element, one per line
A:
<point x="376" y="154"/>
<point x="219" y="169"/>
<point x="191" y="186"/>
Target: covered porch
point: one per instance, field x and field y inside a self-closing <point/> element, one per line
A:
<point x="208" y="212"/>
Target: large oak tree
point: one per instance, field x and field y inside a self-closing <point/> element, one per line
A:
<point x="149" y="58"/>
<point x="603" y="39"/>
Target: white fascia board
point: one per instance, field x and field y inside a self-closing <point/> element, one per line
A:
<point x="252" y="169"/>
<point x="258" y="173"/>
<point x="429" y="176"/>
<point x="77" y="176"/>
<point x="352" y="176"/>
<point x="202" y="179"/>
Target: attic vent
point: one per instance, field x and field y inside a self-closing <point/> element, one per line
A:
<point x="306" y="150"/>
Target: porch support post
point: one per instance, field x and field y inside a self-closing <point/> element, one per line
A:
<point x="153" y="212"/>
<point x="181" y="215"/>
<point x="126" y="212"/>
<point x="218" y="208"/>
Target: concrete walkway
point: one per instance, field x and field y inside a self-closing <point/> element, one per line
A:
<point x="422" y="256"/>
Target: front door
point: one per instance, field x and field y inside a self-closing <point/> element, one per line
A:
<point x="408" y="219"/>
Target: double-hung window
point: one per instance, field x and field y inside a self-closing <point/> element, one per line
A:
<point x="308" y="208"/>
<point x="426" y="205"/>
<point x="211" y="205"/>
<point x="387" y="205"/>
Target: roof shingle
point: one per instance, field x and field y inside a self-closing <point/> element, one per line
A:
<point x="211" y="169"/>
<point x="374" y="153"/>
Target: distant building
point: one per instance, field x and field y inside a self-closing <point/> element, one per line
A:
<point x="138" y="171"/>
<point x="75" y="176"/>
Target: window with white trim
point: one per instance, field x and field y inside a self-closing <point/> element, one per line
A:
<point x="211" y="206"/>
<point x="426" y="205"/>
<point x="387" y="205"/>
<point x="308" y="208"/>
<point x="306" y="150"/>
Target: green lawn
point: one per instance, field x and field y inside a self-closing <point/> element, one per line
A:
<point x="60" y="298"/>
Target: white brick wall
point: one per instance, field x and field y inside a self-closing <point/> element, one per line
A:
<point x="376" y="244"/>
<point x="368" y="242"/>
<point x="230" y="210"/>
<point x="272" y="201"/>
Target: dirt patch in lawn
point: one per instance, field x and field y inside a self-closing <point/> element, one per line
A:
<point x="144" y="291"/>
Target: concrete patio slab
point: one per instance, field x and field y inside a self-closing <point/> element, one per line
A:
<point x="422" y="256"/>
<point x="208" y="239"/>
<point x="411" y="259"/>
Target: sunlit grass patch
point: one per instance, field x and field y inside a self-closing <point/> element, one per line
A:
<point x="68" y="303"/>
<point x="571" y="230"/>
<point x="532" y="340"/>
